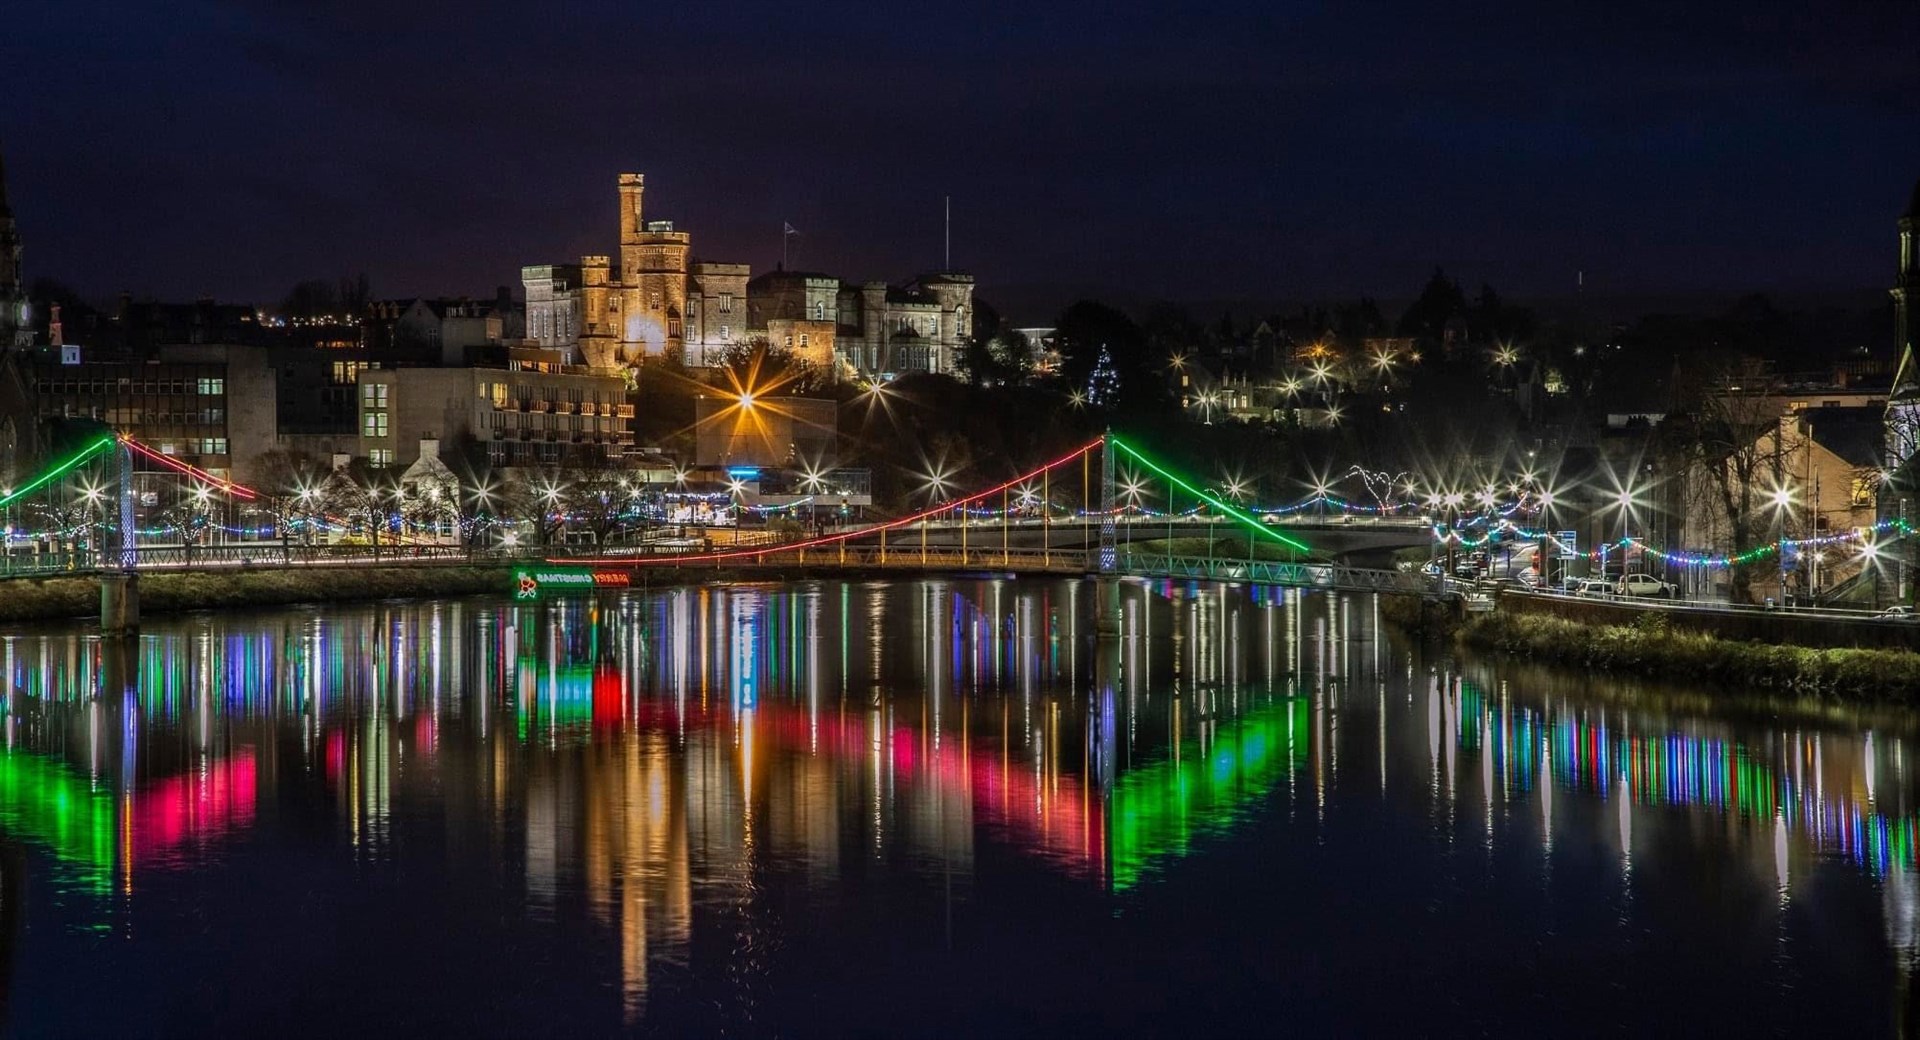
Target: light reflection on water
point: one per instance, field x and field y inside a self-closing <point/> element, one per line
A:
<point x="704" y="808"/>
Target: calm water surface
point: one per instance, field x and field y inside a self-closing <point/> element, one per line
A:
<point x="923" y="808"/>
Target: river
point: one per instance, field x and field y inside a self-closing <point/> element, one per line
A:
<point x="924" y="808"/>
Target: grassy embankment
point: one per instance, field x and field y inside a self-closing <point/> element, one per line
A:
<point x="37" y="599"/>
<point x="1651" y="647"/>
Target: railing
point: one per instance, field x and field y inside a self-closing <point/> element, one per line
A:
<point x="908" y="556"/>
<point x="1316" y="575"/>
<point x="903" y="555"/>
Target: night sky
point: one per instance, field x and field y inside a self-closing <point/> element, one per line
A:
<point x="1209" y="151"/>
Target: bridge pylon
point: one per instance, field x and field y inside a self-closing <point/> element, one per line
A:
<point x="129" y="536"/>
<point x="1109" y="530"/>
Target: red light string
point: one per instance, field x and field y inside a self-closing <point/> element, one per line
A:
<point x="944" y="507"/>
<point x="231" y="488"/>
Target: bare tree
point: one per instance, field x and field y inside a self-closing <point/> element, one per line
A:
<point x="364" y="495"/>
<point x="538" y="496"/>
<point x="1728" y="437"/>
<point x="599" y="494"/>
<point x="292" y="482"/>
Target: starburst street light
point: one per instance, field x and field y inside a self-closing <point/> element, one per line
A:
<point x="1077" y="399"/>
<point x="812" y="480"/>
<point x="935" y="482"/>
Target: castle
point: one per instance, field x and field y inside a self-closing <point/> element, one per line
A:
<point x="660" y="303"/>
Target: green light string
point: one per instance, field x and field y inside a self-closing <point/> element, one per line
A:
<point x="53" y="474"/>
<point x="1205" y="497"/>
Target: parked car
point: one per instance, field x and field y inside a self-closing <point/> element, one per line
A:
<point x="1594" y="587"/>
<point x="1898" y="612"/>
<point x="1642" y="585"/>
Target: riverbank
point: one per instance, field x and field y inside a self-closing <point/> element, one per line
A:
<point x="166" y="592"/>
<point x="51" y="599"/>
<point x="1650" y="647"/>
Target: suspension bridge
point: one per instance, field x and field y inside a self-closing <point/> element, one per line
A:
<point x="1199" y="535"/>
<point x="1106" y="540"/>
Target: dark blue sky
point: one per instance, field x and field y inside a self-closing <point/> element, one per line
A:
<point x="1255" y="150"/>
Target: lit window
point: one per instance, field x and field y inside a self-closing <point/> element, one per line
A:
<point x="212" y="386"/>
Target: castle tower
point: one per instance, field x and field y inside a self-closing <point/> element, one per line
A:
<point x="633" y="190"/>
<point x="599" y="311"/>
<point x="652" y="281"/>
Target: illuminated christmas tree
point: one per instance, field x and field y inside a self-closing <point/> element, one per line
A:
<point x="1103" y="385"/>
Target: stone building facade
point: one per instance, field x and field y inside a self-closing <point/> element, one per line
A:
<point x="873" y="330"/>
<point x="717" y="313"/>
<point x="529" y="409"/>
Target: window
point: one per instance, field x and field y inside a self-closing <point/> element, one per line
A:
<point x="803" y="341"/>
<point x="726" y="303"/>
<point x="212" y="385"/>
<point x="723" y="332"/>
<point x="819" y="310"/>
<point x="498" y="394"/>
<point x="380" y="458"/>
<point x="373" y="395"/>
<point x="373" y="424"/>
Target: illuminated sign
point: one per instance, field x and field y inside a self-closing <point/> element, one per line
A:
<point x="528" y="582"/>
<point x="1569" y="544"/>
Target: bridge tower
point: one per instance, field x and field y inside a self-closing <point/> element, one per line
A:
<point x="1106" y="623"/>
<point x="120" y="591"/>
<point x="128" y="535"/>
<point x="1109" y="556"/>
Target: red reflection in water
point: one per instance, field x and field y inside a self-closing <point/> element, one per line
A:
<point x="194" y="807"/>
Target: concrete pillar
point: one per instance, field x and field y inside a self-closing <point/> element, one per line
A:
<point x="119" y="603"/>
<point x="1106" y="616"/>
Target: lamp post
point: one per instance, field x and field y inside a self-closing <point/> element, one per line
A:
<point x="1782" y="501"/>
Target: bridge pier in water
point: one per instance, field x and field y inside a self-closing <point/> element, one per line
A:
<point x="119" y="603"/>
<point x="1106" y="616"/>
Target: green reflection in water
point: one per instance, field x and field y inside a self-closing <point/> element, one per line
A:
<point x="43" y="801"/>
<point x="1158" y="812"/>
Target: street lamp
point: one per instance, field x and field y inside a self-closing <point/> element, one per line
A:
<point x="1782" y="499"/>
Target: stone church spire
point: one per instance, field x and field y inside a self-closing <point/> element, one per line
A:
<point x="10" y="274"/>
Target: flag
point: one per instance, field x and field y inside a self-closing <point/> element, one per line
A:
<point x="788" y="229"/>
